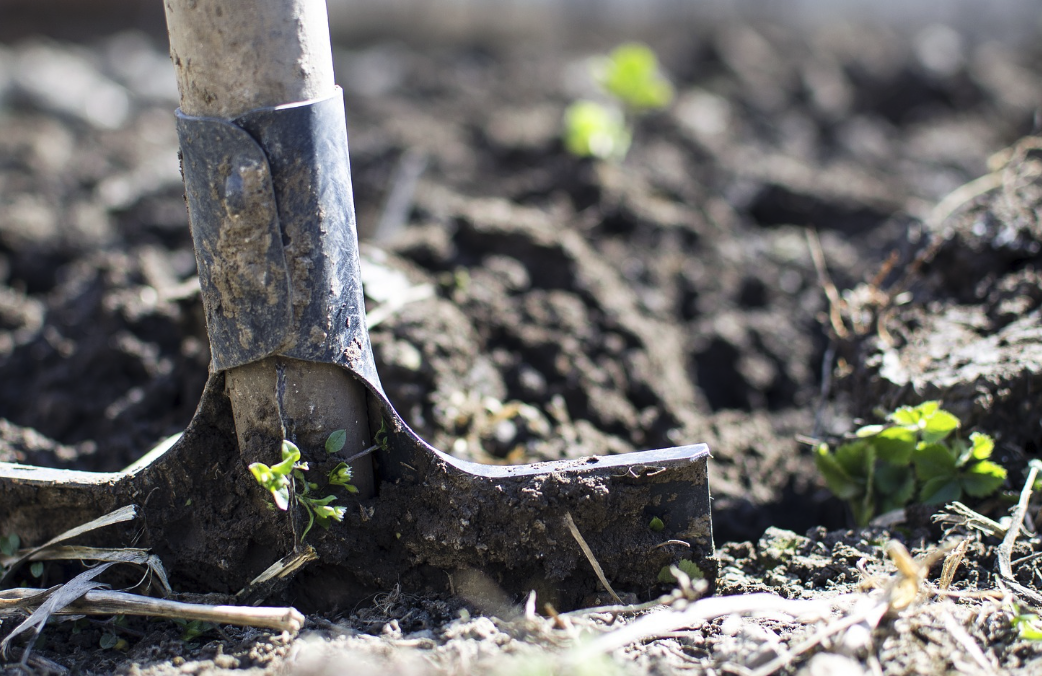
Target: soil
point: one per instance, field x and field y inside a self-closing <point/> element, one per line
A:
<point x="562" y="307"/>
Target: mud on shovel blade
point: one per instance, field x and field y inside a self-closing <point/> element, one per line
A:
<point x="272" y="219"/>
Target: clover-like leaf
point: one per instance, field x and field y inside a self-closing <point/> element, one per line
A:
<point x="836" y="476"/>
<point x="983" y="478"/>
<point x="894" y="485"/>
<point x="857" y="458"/>
<point x="940" y="489"/>
<point x="933" y="461"/>
<point x="983" y="446"/>
<point x="938" y="425"/>
<point x="895" y="445"/>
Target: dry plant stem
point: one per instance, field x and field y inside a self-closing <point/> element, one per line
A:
<point x="570" y="522"/>
<point x="656" y="624"/>
<point x="1006" y="548"/>
<point x="122" y="603"/>
<point x="836" y="304"/>
<point x="230" y="59"/>
<point x="871" y="615"/>
<point x="963" y="638"/>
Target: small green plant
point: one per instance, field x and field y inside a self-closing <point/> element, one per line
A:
<point x="689" y="568"/>
<point x="192" y="629"/>
<point x="631" y="74"/>
<point x="885" y="465"/>
<point x="631" y="78"/>
<point x="287" y="483"/>
<point x="9" y="544"/>
<point x="657" y="524"/>
<point x="1028" y="626"/>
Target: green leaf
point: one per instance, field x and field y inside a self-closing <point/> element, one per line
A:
<point x="938" y="425"/>
<point x="940" y="489"/>
<point x="689" y="568"/>
<point x="933" y="461"/>
<point x="983" y="478"/>
<point x="869" y="430"/>
<point x="906" y="415"/>
<point x="657" y="524"/>
<point x="36" y="569"/>
<point x="857" y="459"/>
<point x="341" y="475"/>
<point x="1028" y="627"/>
<point x="108" y="641"/>
<point x="894" y="485"/>
<point x="927" y="409"/>
<point x="895" y="445"/>
<point x="290" y="456"/>
<point x="281" y="496"/>
<point x="983" y="445"/>
<point x="336" y="441"/>
<point x="631" y="74"/>
<point x="592" y="129"/>
<point x="9" y="544"/>
<point x="836" y="477"/>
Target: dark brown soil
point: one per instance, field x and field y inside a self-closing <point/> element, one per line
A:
<point x="574" y="307"/>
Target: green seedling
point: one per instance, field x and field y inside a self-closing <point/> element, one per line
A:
<point x="630" y="77"/>
<point x="192" y="629"/>
<point x="689" y="568"/>
<point x="656" y="524"/>
<point x="9" y="544"/>
<point x="287" y="483"/>
<point x="882" y="468"/>
<point x="631" y="74"/>
<point x="593" y="129"/>
<point x="1028" y="626"/>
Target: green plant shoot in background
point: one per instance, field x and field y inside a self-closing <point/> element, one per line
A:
<point x="287" y="483"/>
<point x="914" y="453"/>
<point x="631" y="78"/>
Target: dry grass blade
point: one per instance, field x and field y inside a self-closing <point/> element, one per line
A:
<point x="963" y="638"/>
<point x="141" y="557"/>
<point x="658" y="624"/>
<point x="121" y="603"/>
<point x="118" y="516"/>
<point x="951" y="564"/>
<point x="55" y="602"/>
<point x="277" y="572"/>
<point x="1017" y="520"/>
<point x="570" y="522"/>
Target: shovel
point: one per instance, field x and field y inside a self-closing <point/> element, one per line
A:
<point x="268" y="187"/>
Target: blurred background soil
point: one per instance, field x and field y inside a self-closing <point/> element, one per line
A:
<point x="557" y="307"/>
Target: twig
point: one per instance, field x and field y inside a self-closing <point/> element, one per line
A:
<point x="121" y="603"/>
<point x="871" y="615"/>
<point x="570" y="522"/>
<point x="362" y="454"/>
<point x="817" y="255"/>
<point x="1006" y="548"/>
<point x="280" y="571"/>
